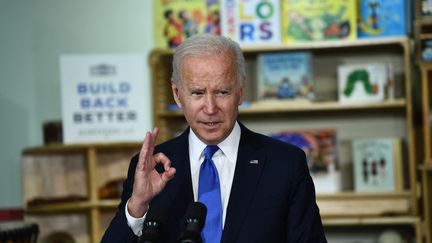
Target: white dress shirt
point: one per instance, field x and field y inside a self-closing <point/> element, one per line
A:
<point x="225" y="160"/>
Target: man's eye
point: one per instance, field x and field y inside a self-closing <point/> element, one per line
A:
<point x="197" y="93"/>
<point x="223" y="92"/>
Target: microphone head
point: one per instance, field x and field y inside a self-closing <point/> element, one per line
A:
<point x="197" y="212"/>
<point x="154" y="225"/>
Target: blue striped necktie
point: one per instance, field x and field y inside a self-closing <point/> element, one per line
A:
<point x="209" y="194"/>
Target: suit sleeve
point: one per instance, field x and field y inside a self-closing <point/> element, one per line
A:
<point x="119" y="230"/>
<point x="304" y="221"/>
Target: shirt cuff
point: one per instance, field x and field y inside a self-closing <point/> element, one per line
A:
<point x="136" y="224"/>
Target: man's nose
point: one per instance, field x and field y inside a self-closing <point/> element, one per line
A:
<point x="210" y="105"/>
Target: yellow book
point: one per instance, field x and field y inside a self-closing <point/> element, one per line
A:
<point x="318" y="20"/>
<point x="176" y="20"/>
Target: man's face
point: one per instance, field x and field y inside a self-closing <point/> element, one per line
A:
<point x="209" y="96"/>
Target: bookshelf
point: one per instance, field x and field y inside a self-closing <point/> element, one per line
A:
<point x="61" y="185"/>
<point x="387" y="118"/>
<point x="90" y="166"/>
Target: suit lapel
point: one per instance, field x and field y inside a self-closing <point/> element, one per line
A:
<point x="246" y="177"/>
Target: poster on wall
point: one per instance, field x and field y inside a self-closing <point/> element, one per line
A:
<point x="103" y="98"/>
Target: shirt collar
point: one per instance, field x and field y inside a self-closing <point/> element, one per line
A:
<point x="229" y="146"/>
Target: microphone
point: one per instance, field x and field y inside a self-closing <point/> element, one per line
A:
<point x="154" y="222"/>
<point x="194" y="221"/>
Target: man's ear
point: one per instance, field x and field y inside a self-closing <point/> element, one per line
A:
<point x="175" y="91"/>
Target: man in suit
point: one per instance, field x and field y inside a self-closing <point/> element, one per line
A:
<point x="264" y="192"/>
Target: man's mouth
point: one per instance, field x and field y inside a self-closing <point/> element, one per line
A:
<point x="211" y="124"/>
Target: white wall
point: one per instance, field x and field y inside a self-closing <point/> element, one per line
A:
<point x="33" y="34"/>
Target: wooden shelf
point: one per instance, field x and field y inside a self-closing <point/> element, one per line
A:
<point x="423" y="21"/>
<point x="337" y="204"/>
<point x="426" y="166"/>
<point x="425" y="36"/>
<point x="63" y="148"/>
<point x="281" y="106"/>
<point x="53" y="208"/>
<point x="109" y="203"/>
<point x="306" y="45"/>
<point x="425" y="65"/>
<point x="330" y="44"/>
<point x="364" y="204"/>
<point x="263" y="107"/>
<point x="363" y="221"/>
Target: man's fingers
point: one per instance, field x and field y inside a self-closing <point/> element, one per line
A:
<point x="154" y="134"/>
<point x="163" y="159"/>
<point x="144" y="152"/>
<point x="168" y="174"/>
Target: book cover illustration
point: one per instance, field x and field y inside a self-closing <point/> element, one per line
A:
<point x="176" y="20"/>
<point x="371" y="82"/>
<point x="318" y="20"/>
<point x="251" y="22"/>
<point x="320" y="147"/>
<point x="382" y="18"/>
<point x="377" y="164"/>
<point x="285" y="75"/>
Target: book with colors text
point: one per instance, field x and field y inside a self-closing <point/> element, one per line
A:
<point x="251" y="22"/>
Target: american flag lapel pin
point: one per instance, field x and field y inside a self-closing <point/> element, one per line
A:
<point x="254" y="162"/>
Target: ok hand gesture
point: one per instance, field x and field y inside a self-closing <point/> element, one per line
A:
<point x="148" y="182"/>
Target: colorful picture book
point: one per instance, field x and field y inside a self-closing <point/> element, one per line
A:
<point x="251" y="22"/>
<point x="174" y="21"/>
<point x="318" y="20"/>
<point x="369" y="82"/>
<point x="377" y="164"/>
<point x="285" y="75"/>
<point x="382" y="18"/>
<point x="320" y="147"/>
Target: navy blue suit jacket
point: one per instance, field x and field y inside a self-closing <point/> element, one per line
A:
<point x="270" y="201"/>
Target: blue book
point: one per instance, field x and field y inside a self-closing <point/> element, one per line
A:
<point x="378" y="18"/>
<point x="285" y="75"/>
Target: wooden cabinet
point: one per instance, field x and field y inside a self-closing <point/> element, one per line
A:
<point x="62" y="187"/>
<point x="389" y="118"/>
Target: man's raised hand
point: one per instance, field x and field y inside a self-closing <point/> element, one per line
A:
<point x="148" y="182"/>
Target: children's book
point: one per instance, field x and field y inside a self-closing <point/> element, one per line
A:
<point x="377" y="164"/>
<point x="251" y="22"/>
<point x="318" y="20"/>
<point x="368" y="82"/>
<point x="382" y="18"/>
<point x="285" y="75"/>
<point x="176" y="20"/>
<point x="320" y="147"/>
